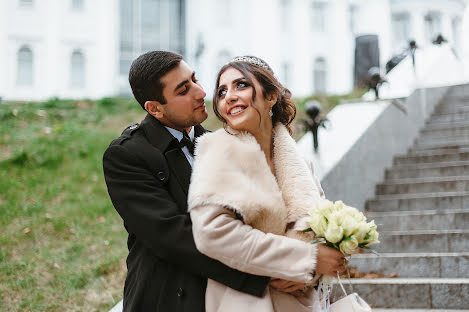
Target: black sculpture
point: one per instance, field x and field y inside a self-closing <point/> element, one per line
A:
<point x="314" y="120"/>
<point x="375" y="80"/>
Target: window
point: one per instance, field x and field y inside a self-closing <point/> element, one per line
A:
<point x="25" y="66"/>
<point x="285" y="14"/>
<point x="26" y="2"/>
<point x="400" y="23"/>
<point x="432" y="26"/>
<point x="77" y="4"/>
<point x="318" y="18"/>
<point x="147" y="25"/>
<point x="320" y="75"/>
<point x="77" y="69"/>
<point x="353" y="18"/>
<point x="286" y="68"/>
<point x="456" y="29"/>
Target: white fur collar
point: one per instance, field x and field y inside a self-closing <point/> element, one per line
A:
<point x="232" y="171"/>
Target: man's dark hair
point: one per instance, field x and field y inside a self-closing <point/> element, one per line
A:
<point x="145" y="74"/>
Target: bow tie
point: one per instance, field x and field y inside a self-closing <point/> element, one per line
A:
<point x="187" y="142"/>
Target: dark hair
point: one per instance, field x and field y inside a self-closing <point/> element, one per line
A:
<point x="284" y="110"/>
<point x="145" y="73"/>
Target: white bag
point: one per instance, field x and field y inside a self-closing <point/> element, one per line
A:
<point x="350" y="303"/>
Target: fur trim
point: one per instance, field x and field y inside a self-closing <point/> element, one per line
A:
<point x="232" y="171"/>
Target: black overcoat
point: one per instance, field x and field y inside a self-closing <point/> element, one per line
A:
<point x="148" y="177"/>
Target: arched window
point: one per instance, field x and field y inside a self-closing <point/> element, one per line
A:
<point x="25" y="66"/>
<point x="77" y="71"/>
<point x="432" y="25"/>
<point x="320" y="75"/>
<point x="318" y="16"/>
<point x="400" y="23"/>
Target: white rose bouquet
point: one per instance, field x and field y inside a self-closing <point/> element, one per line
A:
<point x="342" y="227"/>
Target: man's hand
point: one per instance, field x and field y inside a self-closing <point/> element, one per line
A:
<point x="294" y="288"/>
<point x="330" y="261"/>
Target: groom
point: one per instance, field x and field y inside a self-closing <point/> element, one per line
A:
<point x="147" y="172"/>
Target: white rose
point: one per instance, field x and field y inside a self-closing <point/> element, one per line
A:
<point x="350" y="225"/>
<point x="318" y="224"/>
<point x="372" y="225"/>
<point x="325" y="208"/>
<point x="338" y="205"/>
<point x="334" y="233"/>
<point x="361" y="231"/>
<point x="349" y="245"/>
<point x="372" y="237"/>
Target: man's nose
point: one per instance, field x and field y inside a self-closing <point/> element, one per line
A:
<point x="200" y="93"/>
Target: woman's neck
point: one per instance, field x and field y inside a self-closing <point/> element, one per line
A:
<point x="264" y="138"/>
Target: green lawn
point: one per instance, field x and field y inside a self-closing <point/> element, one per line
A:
<point x="62" y="244"/>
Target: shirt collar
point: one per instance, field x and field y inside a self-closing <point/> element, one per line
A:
<point x="178" y="134"/>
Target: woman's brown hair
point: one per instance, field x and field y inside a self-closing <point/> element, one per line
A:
<point x="284" y="110"/>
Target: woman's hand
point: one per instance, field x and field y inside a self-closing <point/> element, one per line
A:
<point x="330" y="261"/>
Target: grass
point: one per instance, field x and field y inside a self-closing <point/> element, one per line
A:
<point x="62" y="244"/>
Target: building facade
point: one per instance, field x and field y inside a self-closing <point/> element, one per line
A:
<point x="84" y="48"/>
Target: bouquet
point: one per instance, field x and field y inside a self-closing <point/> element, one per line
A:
<point x="342" y="227"/>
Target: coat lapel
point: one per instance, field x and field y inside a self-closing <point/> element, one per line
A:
<point x="159" y="137"/>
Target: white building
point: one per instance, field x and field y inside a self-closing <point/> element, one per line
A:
<point x="84" y="48"/>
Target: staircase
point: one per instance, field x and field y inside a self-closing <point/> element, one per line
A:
<point x="422" y="212"/>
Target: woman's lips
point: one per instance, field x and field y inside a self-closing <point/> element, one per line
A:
<point x="237" y="110"/>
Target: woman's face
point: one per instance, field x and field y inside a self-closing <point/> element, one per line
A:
<point x="235" y="102"/>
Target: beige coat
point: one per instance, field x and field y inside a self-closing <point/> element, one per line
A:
<point x="246" y="217"/>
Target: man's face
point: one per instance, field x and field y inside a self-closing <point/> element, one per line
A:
<point x="185" y="105"/>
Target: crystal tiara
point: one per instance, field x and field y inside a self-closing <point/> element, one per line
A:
<point x="252" y="60"/>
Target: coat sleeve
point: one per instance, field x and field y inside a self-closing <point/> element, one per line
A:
<point x="150" y="213"/>
<point x="220" y="235"/>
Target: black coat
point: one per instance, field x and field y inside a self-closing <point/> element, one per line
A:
<point x="148" y="177"/>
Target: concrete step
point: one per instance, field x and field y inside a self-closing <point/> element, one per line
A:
<point x="456" y="168"/>
<point x="421" y="220"/>
<point x="417" y="202"/>
<point x="452" y="108"/>
<point x="410" y="293"/>
<point x="453" y="144"/>
<point x="436" y="265"/>
<point x="423" y="185"/>
<point x="448" y="117"/>
<point x="439" y="126"/>
<point x="423" y="241"/>
<point x="439" y="133"/>
<point x="428" y="156"/>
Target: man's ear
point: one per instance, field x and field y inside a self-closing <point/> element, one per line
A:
<point x="154" y="108"/>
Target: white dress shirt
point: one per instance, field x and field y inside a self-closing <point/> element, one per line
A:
<point x="178" y="135"/>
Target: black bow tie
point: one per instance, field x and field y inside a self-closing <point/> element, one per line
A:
<point x="186" y="141"/>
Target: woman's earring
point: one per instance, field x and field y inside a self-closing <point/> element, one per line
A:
<point x="270" y="112"/>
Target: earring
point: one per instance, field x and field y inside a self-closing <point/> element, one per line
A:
<point x="271" y="113"/>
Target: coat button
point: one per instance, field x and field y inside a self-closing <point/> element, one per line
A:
<point x="161" y="176"/>
<point x="180" y="292"/>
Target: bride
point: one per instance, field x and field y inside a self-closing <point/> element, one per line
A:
<point x="250" y="193"/>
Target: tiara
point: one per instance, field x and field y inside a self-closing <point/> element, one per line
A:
<point x="252" y="60"/>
